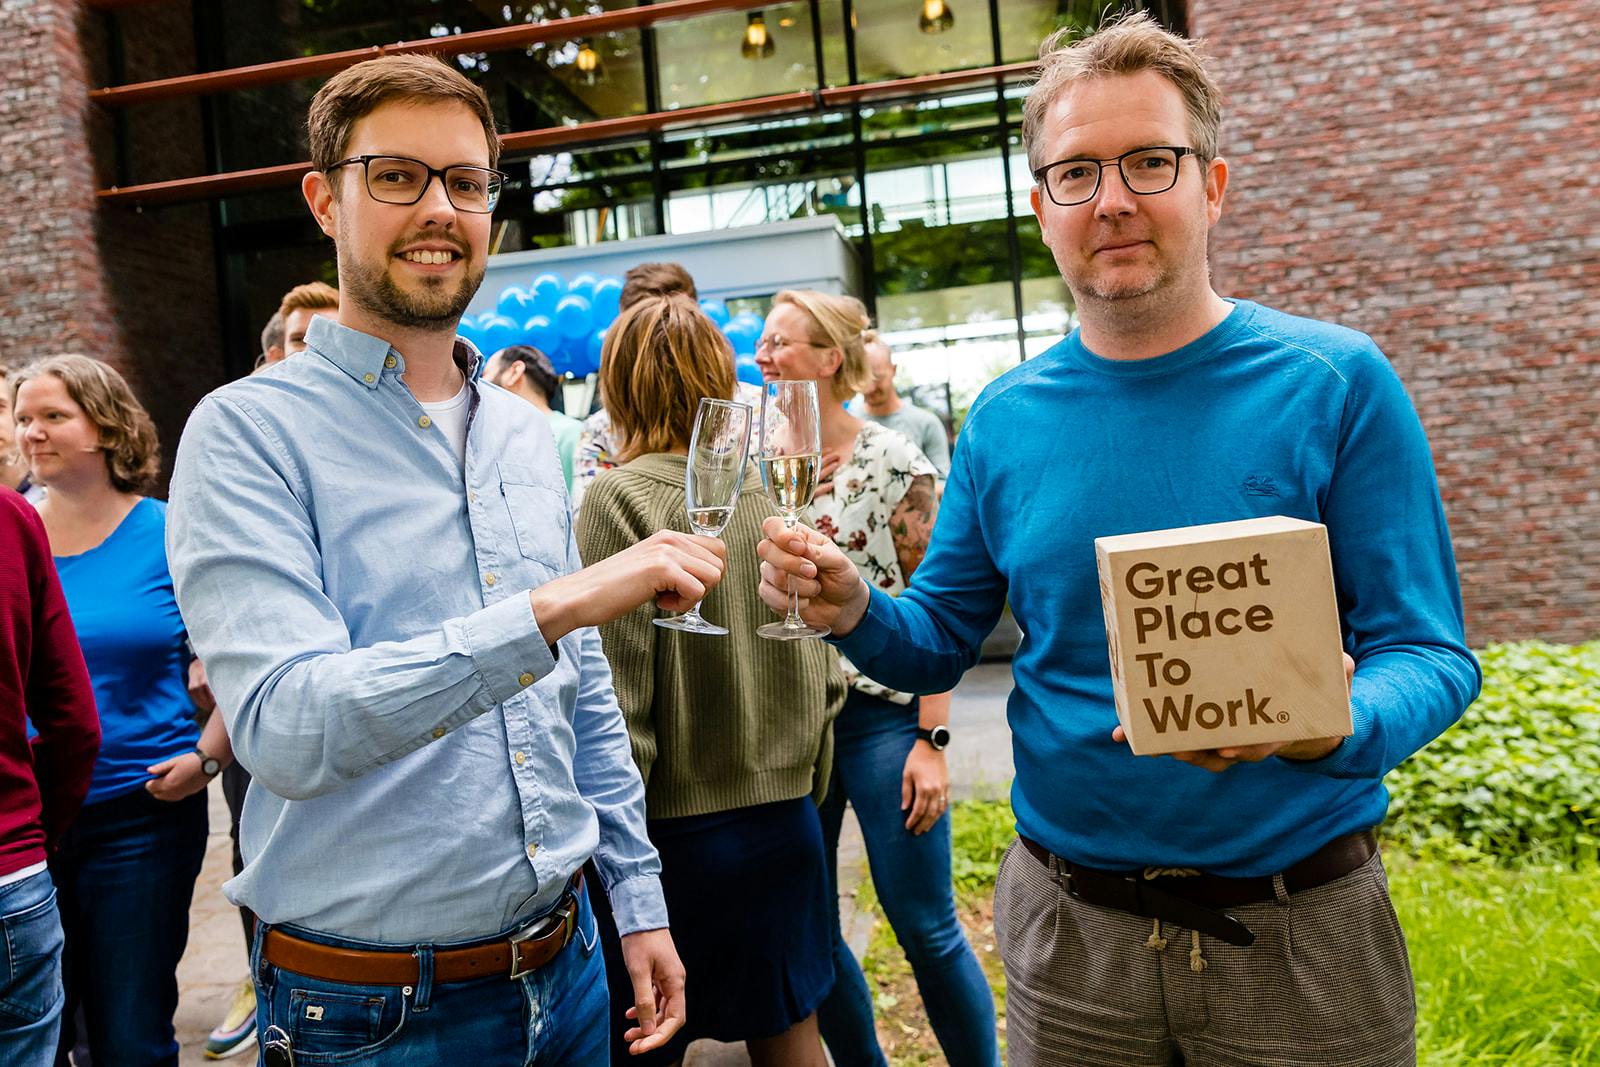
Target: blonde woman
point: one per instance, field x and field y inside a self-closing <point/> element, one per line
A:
<point x="125" y="871"/>
<point x="878" y="505"/>
<point x="731" y="733"/>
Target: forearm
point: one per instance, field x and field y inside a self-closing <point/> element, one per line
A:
<point x="304" y="723"/>
<point x="934" y="710"/>
<point x="214" y="739"/>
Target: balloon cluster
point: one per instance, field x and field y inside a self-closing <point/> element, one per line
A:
<point x="567" y="321"/>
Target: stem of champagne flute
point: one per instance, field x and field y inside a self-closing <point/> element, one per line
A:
<point x="793" y="620"/>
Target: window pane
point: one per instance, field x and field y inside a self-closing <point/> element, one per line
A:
<point x="890" y="45"/>
<point x="702" y="60"/>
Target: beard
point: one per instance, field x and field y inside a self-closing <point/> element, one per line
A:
<point x="434" y="305"/>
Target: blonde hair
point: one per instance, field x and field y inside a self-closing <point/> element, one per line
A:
<point x="842" y="322"/>
<point x="127" y="436"/>
<point x="355" y="92"/>
<point x="313" y="296"/>
<point x="660" y="357"/>
<point x="1130" y="45"/>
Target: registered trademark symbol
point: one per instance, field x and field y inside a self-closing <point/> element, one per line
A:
<point x="1283" y="716"/>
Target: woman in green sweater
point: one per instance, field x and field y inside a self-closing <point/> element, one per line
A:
<point x="732" y="734"/>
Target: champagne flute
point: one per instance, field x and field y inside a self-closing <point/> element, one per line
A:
<point x="712" y="476"/>
<point x="790" y="457"/>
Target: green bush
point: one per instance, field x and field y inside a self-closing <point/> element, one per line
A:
<point x="1518" y="778"/>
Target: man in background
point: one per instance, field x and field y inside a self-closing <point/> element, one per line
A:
<point x="13" y="468"/>
<point x="300" y="305"/>
<point x="885" y="407"/>
<point x="527" y="372"/>
<point x="271" y="341"/>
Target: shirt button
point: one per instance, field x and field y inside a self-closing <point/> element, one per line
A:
<point x="472" y="497"/>
<point x="369" y="378"/>
<point x="438" y="732"/>
<point x="424" y="422"/>
<point x="533" y="850"/>
<point x="524" y="679"/>
<point x="389" y="361"/>
<point x="520" y="758"/>
<point x="489" y="579"/>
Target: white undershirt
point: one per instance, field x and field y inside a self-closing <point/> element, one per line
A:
<point x="450" y="416"/>
<point x="26" y="872"/>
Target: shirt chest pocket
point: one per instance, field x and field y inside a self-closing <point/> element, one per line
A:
<point x="540" y="522"/>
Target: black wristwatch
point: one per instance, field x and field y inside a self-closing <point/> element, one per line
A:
<point x="938" y="737"/>
<point x="210" y="766"/>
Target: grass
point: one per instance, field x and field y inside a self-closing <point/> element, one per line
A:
<point x="1507" y="961"/>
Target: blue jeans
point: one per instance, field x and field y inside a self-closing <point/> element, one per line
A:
<point x="126" y="872"/>
<point x="554" y="1017"/>
<point x="911" y="873"/>
<point x="30" y="972"/>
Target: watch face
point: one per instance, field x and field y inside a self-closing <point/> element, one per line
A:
<point x="940" y="736"/>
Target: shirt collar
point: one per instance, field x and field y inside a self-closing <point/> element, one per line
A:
<point x="365" y="357"/>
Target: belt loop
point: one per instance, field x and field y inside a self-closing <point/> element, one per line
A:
<point x="1279" y="891"/>
<point x="424" y="994"/>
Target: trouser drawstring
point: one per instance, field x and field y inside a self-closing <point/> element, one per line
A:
<point x="1197" y="962"/>
<point x="1155" y="940"/>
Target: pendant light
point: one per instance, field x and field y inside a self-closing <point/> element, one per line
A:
<point x="936" y="16"/>
<point x="757" y="43"/>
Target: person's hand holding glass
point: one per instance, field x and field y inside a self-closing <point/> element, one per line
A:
<point x="790" y="456"/>
<point x="712" y="476"/>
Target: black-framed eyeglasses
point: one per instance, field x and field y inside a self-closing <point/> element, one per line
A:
<point x="401" y="180"/>
<point x="1145" y="171"/>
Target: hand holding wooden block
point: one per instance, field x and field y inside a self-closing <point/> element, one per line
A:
<point x="1224" y="635"/>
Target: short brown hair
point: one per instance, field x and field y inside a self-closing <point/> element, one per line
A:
<point x="312" y="296"/>
<point x="841" y="322"/>
<point x="127" y="436"/>
<point x="661" y="356"/>
<point x="1129" y="45"/>
<point x="655" y="279"/>
<point x="356" y="92"/>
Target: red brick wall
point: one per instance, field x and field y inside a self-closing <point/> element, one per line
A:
<point x="1430" y="173"/>
<point x="135" y="289"/>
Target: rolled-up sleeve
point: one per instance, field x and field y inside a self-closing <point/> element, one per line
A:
<point x="306" y="710"/>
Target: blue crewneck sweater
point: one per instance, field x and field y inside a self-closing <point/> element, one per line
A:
<point x="1266" y="414"/>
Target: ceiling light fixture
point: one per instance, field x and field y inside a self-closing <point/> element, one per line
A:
<point x="757" y="43"/>
<point x="588" y="61"/>
<point x="936" y="16"/>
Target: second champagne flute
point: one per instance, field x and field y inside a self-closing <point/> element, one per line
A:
<point x="712" y="475"/>
<point x="791" y="461"/>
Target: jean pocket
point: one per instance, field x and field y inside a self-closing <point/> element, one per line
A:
<point x="539" y="517"/>
<point x="30" y="963"/>
<point x="333" y="1023"/>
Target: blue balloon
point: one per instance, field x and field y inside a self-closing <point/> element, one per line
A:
<point x="498" y="332"/>
<point x="560" y="362"/>
<point x="744" y="333"/>
<point x="468" y="327"/>
<point x="607" y="294"/>
<point x="745" y="369"/>
<point x="515" y="303"/>
<point x="591" y="355"/>
<point x="541" y="333"/>
<point x="583" y="285"/>
<point x="574" y="316"/>
<point x="547" y="290"/>
<point x="715" y="310"/>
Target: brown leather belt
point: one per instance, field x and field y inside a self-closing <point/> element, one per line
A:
<point x="1196" y="900"/>
<point x="508" y="957"/>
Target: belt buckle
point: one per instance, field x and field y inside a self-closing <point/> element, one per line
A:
<point x="563" y="914"/>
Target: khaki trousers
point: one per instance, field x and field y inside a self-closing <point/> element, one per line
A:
<point x="1326" y="984"/>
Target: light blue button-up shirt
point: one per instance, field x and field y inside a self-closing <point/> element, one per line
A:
<point x="426" y="771"/>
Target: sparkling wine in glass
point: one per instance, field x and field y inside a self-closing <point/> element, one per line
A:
<point x="790" y="457"/>
<point x="711" y="479"/>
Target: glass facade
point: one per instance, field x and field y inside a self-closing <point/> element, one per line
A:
<point x="931" y="189"/>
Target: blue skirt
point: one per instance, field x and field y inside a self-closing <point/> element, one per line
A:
<point x="747" y="896"/>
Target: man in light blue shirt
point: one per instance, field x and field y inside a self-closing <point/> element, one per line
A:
<point x="885" y="407"/>
<point x="374" y="557"/>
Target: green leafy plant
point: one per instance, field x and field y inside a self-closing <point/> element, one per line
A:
<point x="1517" y="780"/>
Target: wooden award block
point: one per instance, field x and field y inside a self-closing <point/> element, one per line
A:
<point x="1222" y="635"/>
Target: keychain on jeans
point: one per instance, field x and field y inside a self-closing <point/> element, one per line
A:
<point x="275" y="1048"/>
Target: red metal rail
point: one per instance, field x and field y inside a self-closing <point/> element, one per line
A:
<point x="183" y="190"/>
<point x="496" y="40"/>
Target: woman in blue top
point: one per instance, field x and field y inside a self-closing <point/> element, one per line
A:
<point x="126" y="870"/>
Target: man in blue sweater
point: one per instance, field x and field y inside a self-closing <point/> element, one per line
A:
<point x="1171" y="406"/>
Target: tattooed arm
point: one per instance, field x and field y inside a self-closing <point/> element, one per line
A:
<point x="912" y="524"/>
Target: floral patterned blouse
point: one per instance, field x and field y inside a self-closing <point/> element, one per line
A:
<point x="867" y="488"/>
